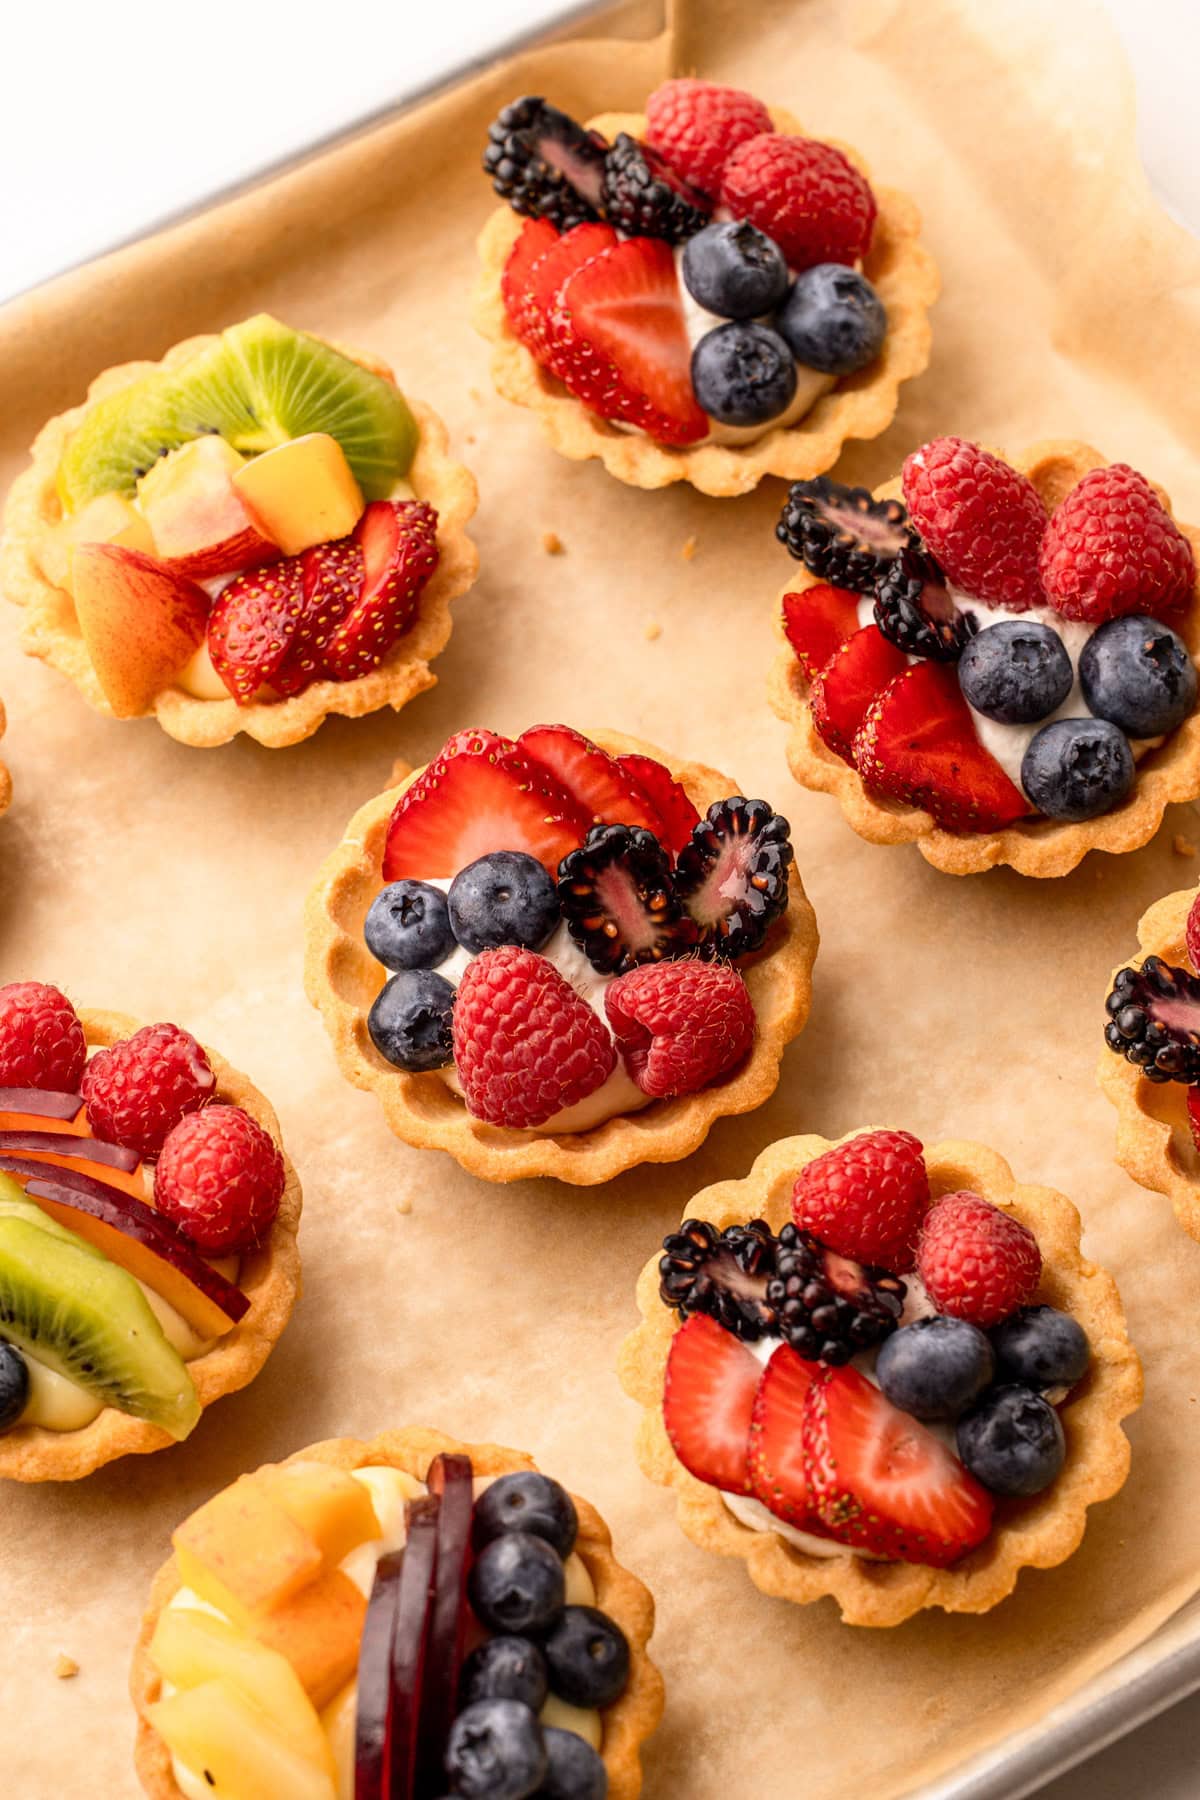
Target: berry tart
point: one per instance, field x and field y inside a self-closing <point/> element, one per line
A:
<point x="993" y="659"/>
<point x="252" y="534"/>
<point x="883" y="1374"/>
<point x="542" y="958"/>
<point x="148" y="1220"/>
<point x="701" y="293"/>
<point x="395" y="1620"/>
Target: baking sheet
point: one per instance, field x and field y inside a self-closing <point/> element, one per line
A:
<point x="169" y="882"/>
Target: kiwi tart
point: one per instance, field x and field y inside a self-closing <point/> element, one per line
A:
<point x="249" y="535"/>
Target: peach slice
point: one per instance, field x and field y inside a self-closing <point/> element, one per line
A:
<point x="198" y="521"/>
<point x="38" y="1109"/>
<point x="110" y="1163"/>
<point x="302" y="492"/>
<point x="243" y="1554"/>
<point x="318" y="1628"/>
<point x="141" y="622"/>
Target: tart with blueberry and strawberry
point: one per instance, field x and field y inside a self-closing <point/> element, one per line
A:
<point x="559" y="955"/>
<point x="701" y="293"/>
<point x="395" y="1620"/>
<point x="993" y="659"/>
<point x="148" y="1220"/>
<point x="249" y="535"/>
<point x="882" y="1373"/>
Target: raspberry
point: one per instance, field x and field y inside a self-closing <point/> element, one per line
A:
<point x="137" y="1090"/>
<point x="982" y="519"/>
<point x="804" y="194"/>
<point x="1193" y="1113"/>
<point x="525" y="1045"/>
<point x="220" y="1178"/>
<point x="866" y="1199"/>
<point x="976" y="1262"/>
<point x="41" y="1040"/>
<point x="1192" y="934"/>
<point x="697" y="125"/>
<point x="1112" y="547"/>
<point x="680" y="1025"/>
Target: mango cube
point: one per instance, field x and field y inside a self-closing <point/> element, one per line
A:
<point x="302" y="492"/>
<point x="329" y="1504"/>
<point x="319" y="1630"/>
<point x="237" y="1753"/>
<point x="243" y="1553"/>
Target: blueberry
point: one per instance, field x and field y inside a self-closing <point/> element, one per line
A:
<point x="410" y="1020"/>
<point x="588" y="1657"/>
<point x="504" y="898"/>
<point x="833" y="319"/>
<point x="517" y="1584"/>
<point x="743" y="374"/>
<point x="735" y="270"/>
<point x="1138" y="674"/>
<point x="1077" y="768"/>
<point x="1016" y="672"/>
<point x="495" y="1751"/>
<point x="527" y="1501"/>
<point x="505" y="1668"/>
<point x="1012" y="1442"/>
<point x="14" y="1385"/>
<point x="408" y="926"/>
<point x="1042" y="1347"/>
<point x="935" y="1368"/>
<point x="573" y="1769"/>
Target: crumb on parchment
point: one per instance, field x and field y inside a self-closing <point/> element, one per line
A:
<point x="1183" y="846"/>
<point x="653" y="630"/>
<point x="690" y="548"/>
<point x="552" y="544"/>
<point x="65" y="1666"/>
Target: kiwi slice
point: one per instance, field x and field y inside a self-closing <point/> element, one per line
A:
<point x="258" y="385"/>
<point x="87" y="1319"/>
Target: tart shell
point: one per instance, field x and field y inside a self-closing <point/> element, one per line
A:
<point x="269" y="1276"/>
<point x="1040" y="848"/>
<point x="1154" y="1139"/>
<point x="6" y="786"/>
<point x="1037" y="1533"/>
<point x="342" y="979"/>
<point x="51" y="631"/>
<point x="627" y="1723"/>
<point x="857" y="406"/>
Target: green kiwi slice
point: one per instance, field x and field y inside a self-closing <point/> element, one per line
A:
<point x="87" y="1319"/>
<point x="257" y="386"/>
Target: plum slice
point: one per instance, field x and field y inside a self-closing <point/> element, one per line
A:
<point x="373" y="1705"/>
<point x="414" y="1612"/>
<point x="452" y="1479"/>
<point x="41" y="1109"/>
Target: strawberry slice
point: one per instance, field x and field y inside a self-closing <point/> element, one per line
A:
<point x="844" y="689"/>
<point x="545" y="280"/>
<point x="881" y="1481"/>
<point x="817" y="621"/>
<point x="917" y="745"/>
<point x="667" y="796"/>
<point x="331" y="577"/>
<point x="537" y="237"/>
<point x="480" y="794"/>
<point x="253" y="624"/>
<point x="620" y="344"/>
<point x="777" y="1465"/>
<point x="708" y="1399"/>
<point x="398" y="541"/>
<point x="607" y="793"/>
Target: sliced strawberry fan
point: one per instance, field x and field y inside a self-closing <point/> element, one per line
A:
<point x="917" y="746"/>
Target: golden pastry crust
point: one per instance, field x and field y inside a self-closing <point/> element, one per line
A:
<point x="342" y="979"/>
<point x="858" y="406"/>
<point x="1031" y="847"/>
<point x="6" y="787"/>
<point x="1154" y="1139"/>
<point x="50" y="629"/>
<point x="269" y="1276"/>
<point x="627" y="1724"/>
<point x="1037" y="1533"/>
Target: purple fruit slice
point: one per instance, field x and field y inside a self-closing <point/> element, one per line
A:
<point x="373" y="1705"/>
<point x="411" y="1642"/>
<point x="452" y="1479"/>
<point x="33" y="1109"/>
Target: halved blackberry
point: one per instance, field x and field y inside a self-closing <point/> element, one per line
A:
<point x="646" y="198"/>
<point x="915" y="611"/>
<point x="1154" y="1020"/>
<point x="618" y="901"/>
<point x="732" y="875"/>
<point x="724" y="1274"/>
<point x="841" y="533"/>
<point x="544" y="164"/>
<point x="829" y="1307"/>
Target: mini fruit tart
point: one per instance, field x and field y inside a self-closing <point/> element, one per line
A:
<point x="252" y="534"/>
<point x="993" y="660"/>
<point x="395" y="1620"/>
<point x="540" y="957"/>
<point x="1153" y="1026"/>
<point x="699" y="294"/>
<point x="882" y="1374"/>
<point x="148" y="1219"/>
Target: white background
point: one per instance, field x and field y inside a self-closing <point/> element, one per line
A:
<point x="115" y="119"/>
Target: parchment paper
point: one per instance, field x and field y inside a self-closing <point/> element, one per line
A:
<point x="169" y="882"/>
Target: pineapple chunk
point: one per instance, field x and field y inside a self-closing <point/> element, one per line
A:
<point x="108" y="519"/>
<point x="214" y="1730"/>
<point x="319" y="1630"/>
<point x="243" y="1553"/>
<point x="301" y="493"/>
<point x="333" y="1508"/>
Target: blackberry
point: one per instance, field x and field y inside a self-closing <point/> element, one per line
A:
<point x="724" y="1274"/>
<point x="618" y="900"/>
<point x="732" y="876"/>
<point x="1154" y="1020"/>
<point x="914" y="609"/>
<point x="644" y="197"/>
<point x="843" y="535"/>
<point x="828" y="1307"/>
<point x="544" y="164"/>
